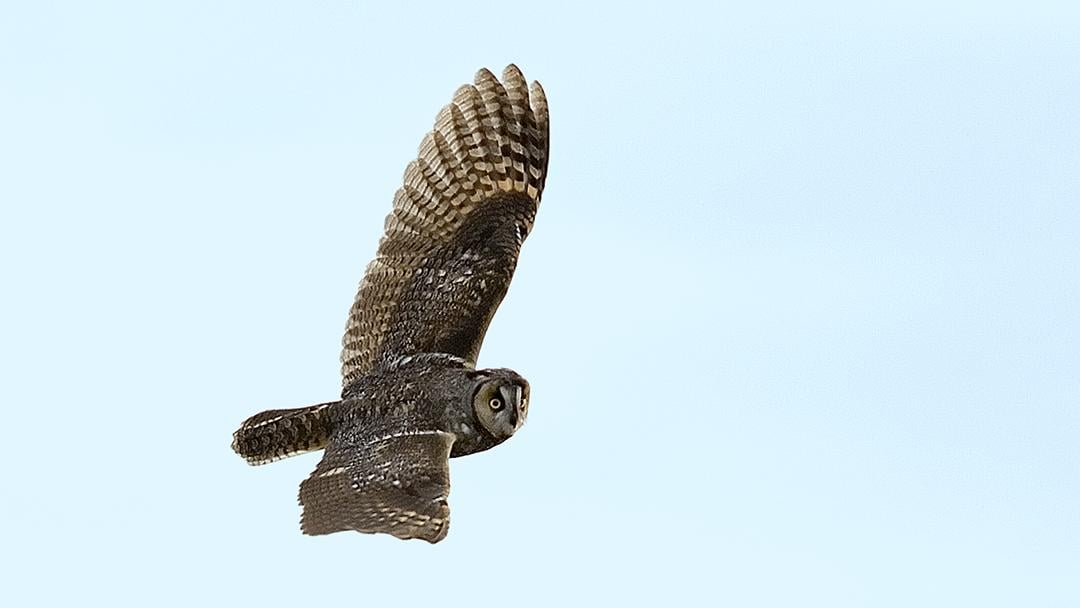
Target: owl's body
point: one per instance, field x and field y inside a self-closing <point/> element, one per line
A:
<point x="423" y="392"/>
<point x="412" y="397"/>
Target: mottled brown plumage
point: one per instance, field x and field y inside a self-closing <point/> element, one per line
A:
<point x="412" y="397"/>
<point x="397" y="485"/>
<point x="456" y="228"/>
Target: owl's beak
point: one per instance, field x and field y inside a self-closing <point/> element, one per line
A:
<point x="513" y="396"/>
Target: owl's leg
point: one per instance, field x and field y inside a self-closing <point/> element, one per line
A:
<point x="276" y="434"/>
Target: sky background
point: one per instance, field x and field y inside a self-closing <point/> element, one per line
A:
<point x="800" y="310"/>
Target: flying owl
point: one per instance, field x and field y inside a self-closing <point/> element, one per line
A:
<point x="412" y="396"/>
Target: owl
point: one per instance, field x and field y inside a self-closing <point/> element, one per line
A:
<point x="412" y="397"/>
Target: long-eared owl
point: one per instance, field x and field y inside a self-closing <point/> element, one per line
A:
<point x="412" y="395"/>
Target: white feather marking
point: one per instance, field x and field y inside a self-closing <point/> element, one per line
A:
<point x="262" y="423"/>
<point x="410" y="434"/>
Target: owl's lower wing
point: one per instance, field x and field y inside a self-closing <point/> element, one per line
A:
<point x="453" y="237"/>
<point x="396" y="485"/>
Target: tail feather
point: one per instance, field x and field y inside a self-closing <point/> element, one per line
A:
<point x="276" y="434"/>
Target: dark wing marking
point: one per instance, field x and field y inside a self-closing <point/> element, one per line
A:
<point x="452" y="239"/>
<point x="396" y="485"/>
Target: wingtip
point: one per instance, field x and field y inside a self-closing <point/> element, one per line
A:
<point x="511" y="73"/>
<point x="539" y="101"/>
<point x="483" y="76"/>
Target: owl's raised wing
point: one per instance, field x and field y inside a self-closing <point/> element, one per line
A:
<point x="395" y="485"/>
<point x="452" y="240"/>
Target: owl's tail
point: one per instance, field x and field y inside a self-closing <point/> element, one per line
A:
<point x="276" y="434"/>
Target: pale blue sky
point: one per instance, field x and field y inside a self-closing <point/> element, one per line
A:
<point x="800" y="310"/>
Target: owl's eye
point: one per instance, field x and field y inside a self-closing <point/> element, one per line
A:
<point x="495" y="403"/>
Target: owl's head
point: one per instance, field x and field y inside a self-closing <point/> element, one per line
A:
<point x="500" y="400"/>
